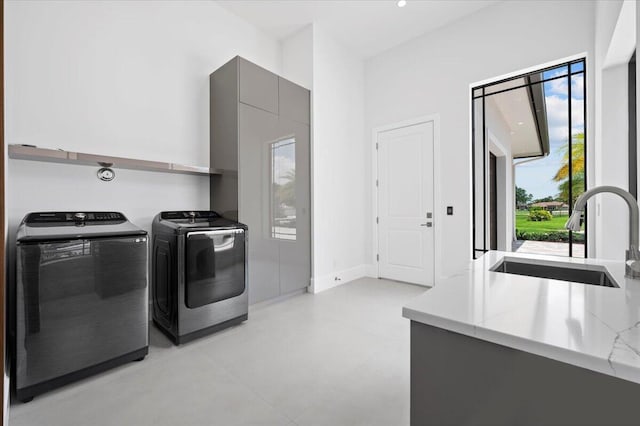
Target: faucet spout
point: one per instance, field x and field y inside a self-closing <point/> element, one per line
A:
<point x="633" y="255"/>
<point x="634" y="212"/>
<point x="575" y="221"/>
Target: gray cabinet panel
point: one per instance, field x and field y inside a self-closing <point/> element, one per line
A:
<point x="223" y="191"/>
<point x="461" y="380"/>
<point x="223" y="120"/>
<point x="258" y="87"/>
<point x="295" y="255"/>
<point x="257" y="129"/>
<point x="223" y="133"/>
<point x="260" y="139"/>
<point x="294" y="101"/>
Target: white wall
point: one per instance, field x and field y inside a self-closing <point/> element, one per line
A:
<point x="314" y="59"/>
<point x="611" y="137"/>
<point x="431" y="74"/>
<point x="338" y="153"/>
<point x="297" y="57"/>
<point x="612" y="214"/>
<point x="606" y="17"/>
<point x="500" y="145"/>
<point x="118" y="78"/>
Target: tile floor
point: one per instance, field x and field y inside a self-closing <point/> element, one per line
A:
<point x="547" y="247"/>
<point x="340" y="357"/>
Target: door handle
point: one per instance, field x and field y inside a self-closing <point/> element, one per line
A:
<point x="428" y="224"/>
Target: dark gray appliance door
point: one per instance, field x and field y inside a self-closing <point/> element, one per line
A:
<point x="214" y="266"/>
<point x="79" y="303"/>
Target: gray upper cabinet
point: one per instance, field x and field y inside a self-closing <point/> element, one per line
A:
<point x="294" y="101"/>
<point x="223" y="120"/>
<point x="260" y="140"/>
<point x="258" y="87"/>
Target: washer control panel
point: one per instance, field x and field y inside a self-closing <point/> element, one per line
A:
<point x="74" y="217"/>
<point x="189" y="215"/>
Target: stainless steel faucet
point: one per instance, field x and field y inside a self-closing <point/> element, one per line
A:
<point x="632" y="261"/>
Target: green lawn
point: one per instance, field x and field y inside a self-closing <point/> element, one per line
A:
<point x="555" y="224"/>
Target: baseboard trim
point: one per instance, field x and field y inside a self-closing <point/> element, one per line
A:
<point x="337" y="278"/>
<point x="277" y="299"/>
<point x="371" y="270"/>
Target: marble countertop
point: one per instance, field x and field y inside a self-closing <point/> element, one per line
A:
<point x="590" y="326"/>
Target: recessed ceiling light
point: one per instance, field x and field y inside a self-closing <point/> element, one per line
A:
<point x="402" y="3"/>
<point x="520" y="123"/>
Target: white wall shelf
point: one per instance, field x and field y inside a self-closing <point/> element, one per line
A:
<point x="25" y="152"/>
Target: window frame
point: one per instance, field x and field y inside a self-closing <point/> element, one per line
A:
<point x="480" y="92"/>
<point x="278" y="143"/>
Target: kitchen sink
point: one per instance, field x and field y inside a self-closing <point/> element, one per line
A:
<point x="575" y="273"/>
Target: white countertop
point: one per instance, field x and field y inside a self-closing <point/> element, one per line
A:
<point x="586" y="325"/>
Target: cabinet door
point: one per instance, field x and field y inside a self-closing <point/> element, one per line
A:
<point x="294" y="101"/>
<point x="257" y="130"/>
<point x="258" y="87"/>
<point x="223" y="122"/>
<point x="293" y="226"/>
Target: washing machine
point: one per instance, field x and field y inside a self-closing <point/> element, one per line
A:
<point x="80" y="303"/>
<point x="199" y="273"/>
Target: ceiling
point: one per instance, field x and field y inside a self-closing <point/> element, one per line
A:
<point x="515" y="108"/>
<point x="367" y="27"/>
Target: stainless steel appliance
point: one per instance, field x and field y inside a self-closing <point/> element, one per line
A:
<point x="81" y="297"/>
<point x="199" y="273"/>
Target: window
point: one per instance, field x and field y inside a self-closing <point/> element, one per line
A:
<point x="537" y="122"/>
<point x="283" y="189"/>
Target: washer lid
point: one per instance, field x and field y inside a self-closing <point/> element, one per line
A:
<point x="47" y="226"/>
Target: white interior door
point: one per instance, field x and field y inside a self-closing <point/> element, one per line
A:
<point x="405" y="204"/>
